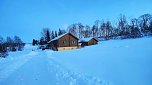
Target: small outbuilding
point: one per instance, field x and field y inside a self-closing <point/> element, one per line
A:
<point x="87" y="41"/>
<point x="65" y="41"/>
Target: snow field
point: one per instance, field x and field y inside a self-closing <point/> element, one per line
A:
<point x="113" y="62"/>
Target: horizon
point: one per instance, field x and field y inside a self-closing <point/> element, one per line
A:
<point x="27" y="18"/>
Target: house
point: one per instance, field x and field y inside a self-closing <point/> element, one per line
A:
<point x="87" y="41"/>
<point x="65" y="41"/>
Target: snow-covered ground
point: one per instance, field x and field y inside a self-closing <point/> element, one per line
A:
<point x="113" y="62"/>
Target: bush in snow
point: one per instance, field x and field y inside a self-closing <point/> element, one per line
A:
<point x="10" y="44"/>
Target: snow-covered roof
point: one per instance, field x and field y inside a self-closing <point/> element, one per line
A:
<point x="85" y="39"/>
<point x="56" y="38"/>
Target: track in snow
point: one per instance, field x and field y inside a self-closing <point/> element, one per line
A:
<point x="67" y="77"/>
<point x="8" y="66"/>
<point x="39" y="68"/>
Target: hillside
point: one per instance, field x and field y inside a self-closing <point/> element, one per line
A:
<point x="113" y="62"/>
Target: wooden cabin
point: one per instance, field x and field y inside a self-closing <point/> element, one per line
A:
<point x="88" y="41"/>
<point x="65" y="41"/>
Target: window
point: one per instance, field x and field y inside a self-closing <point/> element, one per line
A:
<point x="73" y="42"/>
<point x="64" y="42"/>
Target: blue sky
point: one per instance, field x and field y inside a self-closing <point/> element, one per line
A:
<point x="26" y="18"/>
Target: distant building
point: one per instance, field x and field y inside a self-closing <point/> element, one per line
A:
<point x="65" y="41"/>
<point x="87" y="41"/>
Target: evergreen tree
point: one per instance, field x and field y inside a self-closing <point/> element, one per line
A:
<point x="60" y="32"/>
<point x="52" y="35"/>
<point x="42" y="41"/>
<point x="34" y="42"/>
<point x="46" y="35"/>
<point x="9" y="44"/>
<point x="56" y="34"/>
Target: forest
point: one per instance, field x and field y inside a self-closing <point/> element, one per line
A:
<point x="103" y="30"/>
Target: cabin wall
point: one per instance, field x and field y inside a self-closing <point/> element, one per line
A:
<point x="92" y="42"/>
<point x="73" y="41"/>
<point x="53" y="45"/>
<point x="67" y="41"/>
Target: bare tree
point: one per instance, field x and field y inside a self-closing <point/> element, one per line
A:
<point x="144" y="23"/>
<point x="103" y="29"/>
<point x="80" y="30"/>
<point x="72" y="29"/>
<point x="108" y="29"/>
<point x="18" y="43"/>
<point x="122" y="23"/>
<point x="87" y="31"/>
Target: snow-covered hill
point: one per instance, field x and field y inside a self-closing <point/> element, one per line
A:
<point x="113" y="62"/>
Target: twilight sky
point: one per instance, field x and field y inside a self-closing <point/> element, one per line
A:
<point x="26" y="18"/>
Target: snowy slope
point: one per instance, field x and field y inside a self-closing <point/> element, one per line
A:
<point x="114" y="62"/>
<point x="121" y="62"/>
<point x="39" y="68"/>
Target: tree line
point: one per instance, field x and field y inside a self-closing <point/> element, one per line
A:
<point x="46" y="36"/>
<point x="101" y="29"/>
<point x="10" y="45"/>
<point x="134" y="28"/>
